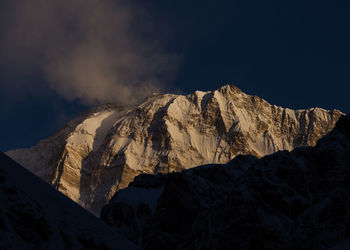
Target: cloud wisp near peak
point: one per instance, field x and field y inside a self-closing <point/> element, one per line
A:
<point x="95" y="51"/>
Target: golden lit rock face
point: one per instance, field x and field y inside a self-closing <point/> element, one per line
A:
<point x="104" y="149"/>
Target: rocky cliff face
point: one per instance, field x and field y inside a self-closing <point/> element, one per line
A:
<point x="35" y="216"/>
<point x="287" y="200"/>
<point x="104" y="149"/>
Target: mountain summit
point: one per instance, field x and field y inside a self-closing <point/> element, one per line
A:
<point x="104" y="149"/>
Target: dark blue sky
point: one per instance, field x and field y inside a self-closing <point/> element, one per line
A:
<point x="292" y="53"/>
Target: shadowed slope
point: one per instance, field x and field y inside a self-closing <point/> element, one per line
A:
<point x="35" y="216"/>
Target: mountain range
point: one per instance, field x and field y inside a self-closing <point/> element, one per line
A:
<point x="103" y="150"/>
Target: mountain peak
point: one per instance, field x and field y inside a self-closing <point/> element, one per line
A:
<point x="229" y="88"/>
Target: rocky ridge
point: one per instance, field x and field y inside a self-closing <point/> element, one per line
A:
<point x="103" y="150"/>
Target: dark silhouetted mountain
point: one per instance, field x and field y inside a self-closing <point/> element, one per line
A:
<point x="33" y="215"/>
<point x="104" y="149"/>
<point x="286" y="200"/>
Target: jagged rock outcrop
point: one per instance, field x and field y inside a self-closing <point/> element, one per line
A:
<point x="33" y="215"/>
<point x="286" y="200"/>
<point x="104" y="149"/>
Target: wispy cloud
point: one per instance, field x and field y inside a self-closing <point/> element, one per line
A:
<point x="93" y="50"/>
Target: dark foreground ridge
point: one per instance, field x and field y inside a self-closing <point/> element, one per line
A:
<point x="287" y="200"/>
<point x="35" y="216"/>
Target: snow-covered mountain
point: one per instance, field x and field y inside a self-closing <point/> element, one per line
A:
<point x="286" y="200"/>
<point x="103" y="150"/>
<point x="33" y="215"/>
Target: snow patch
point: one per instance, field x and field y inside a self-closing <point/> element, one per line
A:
<point x="93" y="130"/>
